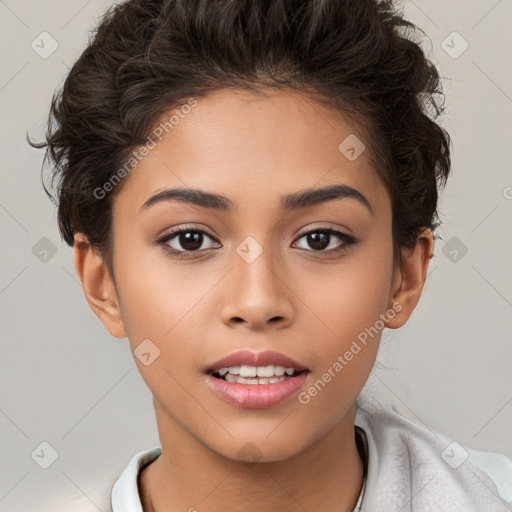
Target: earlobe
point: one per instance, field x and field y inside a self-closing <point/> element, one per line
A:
<point x="409" y="279"/>
<point x="98" y="287"/>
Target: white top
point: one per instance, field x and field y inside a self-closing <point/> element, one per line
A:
<point x="409" y="469"/>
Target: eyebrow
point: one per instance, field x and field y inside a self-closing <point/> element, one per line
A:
<point x="298" y="200"/>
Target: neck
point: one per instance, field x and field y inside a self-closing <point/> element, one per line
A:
<point x="189" y="476"/>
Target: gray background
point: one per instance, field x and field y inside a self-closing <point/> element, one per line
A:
<point x="65" y="381"/>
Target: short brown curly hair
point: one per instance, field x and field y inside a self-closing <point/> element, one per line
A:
<point x="147" y="56"/>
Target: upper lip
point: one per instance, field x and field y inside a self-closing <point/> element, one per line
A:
<point x="249" y="358"/>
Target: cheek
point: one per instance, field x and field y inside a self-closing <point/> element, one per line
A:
<point x="345" y="317"/>
<point x="158" y="308"/>
<point x="152" y="291"/>
<point x="345" y="299"/>
<point x="166" y="303"/>
<point x="346" y="338"/>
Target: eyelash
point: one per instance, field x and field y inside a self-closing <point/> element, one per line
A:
<point x="348" y="240"/>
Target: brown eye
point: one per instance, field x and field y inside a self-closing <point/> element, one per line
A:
<point x="190" y="240"/>
<point x="320" y="239"/>
<point x="185" y="240"/>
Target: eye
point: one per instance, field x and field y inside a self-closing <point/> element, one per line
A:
<point x="188" y="238"/>
<point x="321" y="238"/>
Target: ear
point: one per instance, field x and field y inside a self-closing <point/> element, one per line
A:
<point x="98" y="286"/>
<point x="409" y="278"/>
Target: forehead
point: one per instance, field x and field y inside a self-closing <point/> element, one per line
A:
<point x="248" y="145"/>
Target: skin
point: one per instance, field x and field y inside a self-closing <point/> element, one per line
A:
<point x="253" y="149"/>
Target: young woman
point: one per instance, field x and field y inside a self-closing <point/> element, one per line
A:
<point x="250" y="188"/>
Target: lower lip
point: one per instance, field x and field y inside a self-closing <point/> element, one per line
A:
<point x="256" y="396"/>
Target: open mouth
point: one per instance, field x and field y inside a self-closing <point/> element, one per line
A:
<point x="256" y="380"/>
<point x="244" y="374"/>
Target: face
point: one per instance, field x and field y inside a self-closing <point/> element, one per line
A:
<point x="260" y="272"/>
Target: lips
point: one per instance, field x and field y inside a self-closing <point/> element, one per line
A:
<point x="248" y="358"/>
<point x="233" y="378"/>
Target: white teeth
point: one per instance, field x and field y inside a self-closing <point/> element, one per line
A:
<point x="279" y="370"/>
<point x="263" y="380"/>
<point x="256" y="371"/>
<point x="248" y="371"/>
<point x="265" y="371"/>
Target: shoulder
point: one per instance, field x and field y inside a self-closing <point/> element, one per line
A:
<point x="410" y="462"/>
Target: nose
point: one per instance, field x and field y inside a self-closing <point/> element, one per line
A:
<point x="257" y="293"/>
